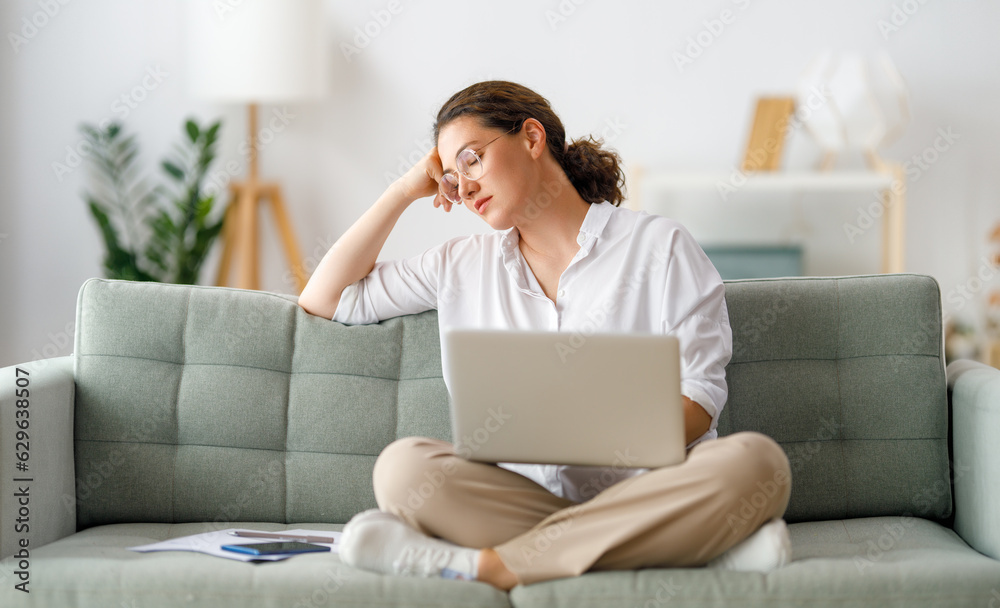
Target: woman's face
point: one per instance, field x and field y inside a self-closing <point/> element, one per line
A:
<point x="507" y="169"/>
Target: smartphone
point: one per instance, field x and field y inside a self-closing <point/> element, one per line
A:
<point x="279" y="548"/>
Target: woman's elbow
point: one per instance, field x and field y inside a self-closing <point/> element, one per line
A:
<point x="319" y="309"/>
<point x="306" y="305"/>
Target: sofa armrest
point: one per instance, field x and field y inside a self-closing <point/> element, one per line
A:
<point x="975" y="404"/>
<point x="48" y="512"/>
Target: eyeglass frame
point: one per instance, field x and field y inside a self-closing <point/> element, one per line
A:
<point x="479" y="160"/>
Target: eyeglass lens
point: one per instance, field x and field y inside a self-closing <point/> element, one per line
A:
<point x="470" y="166"/>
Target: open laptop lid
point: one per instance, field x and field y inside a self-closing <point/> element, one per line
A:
<point x="566" y="398"/>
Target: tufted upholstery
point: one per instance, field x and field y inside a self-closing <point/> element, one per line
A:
<point x="217" y="404"/>
<point x="848" y="375"/>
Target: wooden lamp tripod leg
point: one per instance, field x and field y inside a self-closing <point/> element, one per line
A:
<point x="240" y="230"/>
<point x="228" y="236"/>
<point x="249" y="271"/>
<point x="287" y="236"/>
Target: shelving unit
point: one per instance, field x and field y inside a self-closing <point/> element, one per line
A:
<point x="893" y="198"/>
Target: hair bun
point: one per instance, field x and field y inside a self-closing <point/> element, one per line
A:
<point x="594" y="171"/>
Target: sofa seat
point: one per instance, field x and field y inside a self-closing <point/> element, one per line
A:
<point x="877" y="561"/>
<point x="94" y="568"/>
<point x="915" y="563"/>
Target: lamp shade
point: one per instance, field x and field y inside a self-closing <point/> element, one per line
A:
<point x="257" y="51"/>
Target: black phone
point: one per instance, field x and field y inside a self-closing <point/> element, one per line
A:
<point x="279" y="548"/>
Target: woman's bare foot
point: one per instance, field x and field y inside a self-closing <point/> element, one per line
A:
<point x="493" y="571"/>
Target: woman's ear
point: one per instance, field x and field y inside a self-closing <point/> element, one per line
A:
<point x="535" y="137"/>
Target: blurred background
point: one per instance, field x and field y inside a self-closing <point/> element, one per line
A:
<point x="672" y="87"/>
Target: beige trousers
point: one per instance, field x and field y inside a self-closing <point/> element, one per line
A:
<point x="679" y="516"/>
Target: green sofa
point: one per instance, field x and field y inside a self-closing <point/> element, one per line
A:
<point x="189" y="409"/>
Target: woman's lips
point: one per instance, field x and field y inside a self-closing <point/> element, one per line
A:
<point x="482" y="203"/>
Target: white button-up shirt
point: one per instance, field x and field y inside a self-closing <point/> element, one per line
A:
<point x="634" y="272"/>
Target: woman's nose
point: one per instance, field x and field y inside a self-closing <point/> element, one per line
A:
<point x="467" y="187"/>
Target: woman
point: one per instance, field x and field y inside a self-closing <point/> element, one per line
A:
<point x="563" y="256"/>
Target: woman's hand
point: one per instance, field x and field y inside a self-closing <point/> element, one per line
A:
<point x="423" y="179"/>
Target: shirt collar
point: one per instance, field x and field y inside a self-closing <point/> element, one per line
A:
<point x="594" y="224"/>
<point x="597" y="219"/>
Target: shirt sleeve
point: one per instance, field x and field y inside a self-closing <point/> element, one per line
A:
<point x="392" y="289"/>
<point x="694" y="310"/>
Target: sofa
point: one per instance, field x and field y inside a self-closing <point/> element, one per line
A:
<point x="186" y="409"/>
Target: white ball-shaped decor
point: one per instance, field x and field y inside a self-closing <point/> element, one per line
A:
<point x="820" y="118"/>
<point x="862" y="101"/>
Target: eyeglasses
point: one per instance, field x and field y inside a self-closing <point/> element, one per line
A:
<point x="470" y="166"/>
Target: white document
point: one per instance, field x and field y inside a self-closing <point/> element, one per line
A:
<point x="211" y="543"/>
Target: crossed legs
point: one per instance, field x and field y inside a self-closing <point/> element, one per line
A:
<point x="678" y="516"/>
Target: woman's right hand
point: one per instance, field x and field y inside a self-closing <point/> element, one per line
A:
<point x="423" y="180"/>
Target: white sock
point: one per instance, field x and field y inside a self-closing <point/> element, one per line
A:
<point x="767" y="549"/>
<point x="382" y="542"/>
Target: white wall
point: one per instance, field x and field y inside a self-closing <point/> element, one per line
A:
<point x="607" y="63"/>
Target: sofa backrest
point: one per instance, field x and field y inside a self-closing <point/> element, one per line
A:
<point x="848" y="375"/>
<point x="218" y="404"/>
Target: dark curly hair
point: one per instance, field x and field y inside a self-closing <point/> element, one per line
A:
<point x="596" y="173"/>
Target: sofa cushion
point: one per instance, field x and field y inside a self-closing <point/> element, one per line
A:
<point x="218" y="404"/>
<point x="847" y="374"/>
<point x="862" y="562"/>
<point x="877" y="562"/>
<point x="93" y="568"/>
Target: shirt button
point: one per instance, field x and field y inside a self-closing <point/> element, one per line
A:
<point x="561" y="293"/>
<point x="580" y="238"/>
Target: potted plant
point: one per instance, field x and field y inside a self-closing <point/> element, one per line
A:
<point x="162" y="233"/>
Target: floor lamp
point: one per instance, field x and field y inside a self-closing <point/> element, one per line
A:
<point x="264" y="51"/>
<point x="240" y="230"/>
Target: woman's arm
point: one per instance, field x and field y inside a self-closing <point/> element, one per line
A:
<point x="696" y="420"/>
<point x="354" y="254"/>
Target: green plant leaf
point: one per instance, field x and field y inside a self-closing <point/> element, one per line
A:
<point x="104" y="224"/>
<point x="212" y="134"/>
<point x="120" y="202"/>
<point x="204" y="208"/>
<point x="175" y="171"/>
<point x="119" y="263"/>
<point x="90" y="132"/>
<point x="166" y="225"/>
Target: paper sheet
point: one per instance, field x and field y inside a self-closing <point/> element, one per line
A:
<point x="210" y="543"/>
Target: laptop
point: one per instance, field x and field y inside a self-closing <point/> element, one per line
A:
<point x="565" y="398"/>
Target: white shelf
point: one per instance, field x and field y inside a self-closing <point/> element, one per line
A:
<point x="890" y="186"/>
